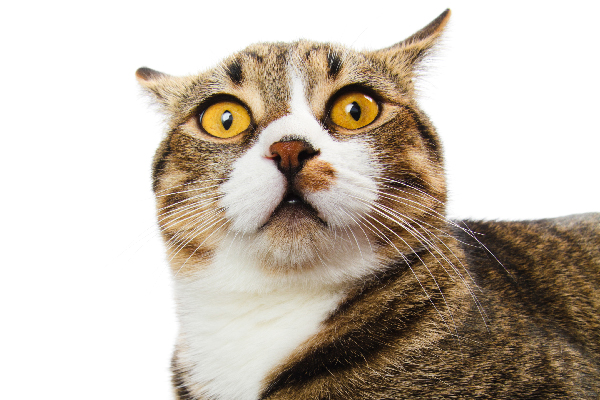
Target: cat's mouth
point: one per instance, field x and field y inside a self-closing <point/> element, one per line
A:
<point x="293" y="209"/>
<point x="292" y="199"/>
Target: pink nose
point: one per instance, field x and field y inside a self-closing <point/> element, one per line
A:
<point x="290" y="156"/>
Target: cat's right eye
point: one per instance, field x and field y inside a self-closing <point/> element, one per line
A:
<point x="353" y="110"/>
<point x="225" y="119"/>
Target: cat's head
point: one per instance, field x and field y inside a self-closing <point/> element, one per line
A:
<point x="302" y="159"/>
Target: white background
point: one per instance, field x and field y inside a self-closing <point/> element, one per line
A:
<point x="85" y="301"/>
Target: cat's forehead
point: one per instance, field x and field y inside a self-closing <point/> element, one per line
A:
<point x="264" y="75"/>
<point x="278" y="58"/>
<point x="275" y="64"/>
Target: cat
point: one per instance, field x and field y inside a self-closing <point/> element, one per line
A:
<point x="301" y="196"/>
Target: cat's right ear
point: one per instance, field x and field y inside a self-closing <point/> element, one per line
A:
<point x="405" y="57"/>
<point x="158" y="84"/>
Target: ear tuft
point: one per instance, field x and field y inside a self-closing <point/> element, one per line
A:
<point x="145" y="74"/>
<point x="156" y="83"/>
<point x="403" y="59"/>
<point x="430" y="32"/>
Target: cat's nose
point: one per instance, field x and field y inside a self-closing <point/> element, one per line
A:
<point x="290" y="156"/>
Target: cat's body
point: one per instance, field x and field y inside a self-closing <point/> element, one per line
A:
<point x="301" y="195"/>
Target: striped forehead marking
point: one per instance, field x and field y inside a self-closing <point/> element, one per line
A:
<point x="234" y="71"/>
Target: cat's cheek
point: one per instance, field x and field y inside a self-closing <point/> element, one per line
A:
<point x="344" y="204"/>
<point x="317" y="175"/>
<point x="253" y="191"/>
<point x="348" y="198"/>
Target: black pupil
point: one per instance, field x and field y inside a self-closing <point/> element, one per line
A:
<point x="354" y="110"/>
<point x="227" y="119"/>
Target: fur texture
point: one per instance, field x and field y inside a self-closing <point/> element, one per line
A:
<point x="312" y="259"/>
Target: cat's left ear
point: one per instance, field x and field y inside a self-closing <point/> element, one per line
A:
<point x="404" y="57"/>
<point x="158" y="84"/>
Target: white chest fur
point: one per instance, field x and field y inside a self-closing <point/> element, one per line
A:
<point x="231" y="339"/>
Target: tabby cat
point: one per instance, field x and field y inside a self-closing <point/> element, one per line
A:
<point x="301" y="195"/>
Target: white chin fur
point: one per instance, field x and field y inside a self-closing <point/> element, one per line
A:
<point x="239" y="264"/>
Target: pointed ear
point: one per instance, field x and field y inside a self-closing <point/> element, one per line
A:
<point x="156" y="83"/>
<point x="404" y="57"/>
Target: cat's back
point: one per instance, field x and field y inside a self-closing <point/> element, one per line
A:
<point x="552" y="266"/>
<point x="554" y="250"/>
<point x="540" y="280"/>
<point x="577" y="232"/>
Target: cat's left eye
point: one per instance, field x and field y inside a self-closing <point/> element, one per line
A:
<point x="225" y="119"/>
<point x="353" y="110"/>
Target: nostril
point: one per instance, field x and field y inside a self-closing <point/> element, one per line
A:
<point x="291" y="155"/>
<point x="307" y="154"/>
<point x="275" y="157"/>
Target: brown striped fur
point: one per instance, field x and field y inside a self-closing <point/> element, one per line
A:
<point x="497" y="310"/>
<point x="535" y="335"/>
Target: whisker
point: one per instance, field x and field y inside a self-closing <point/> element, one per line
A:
<point x="186" y="239"/>
<point x="400" y="220"/>
<point x="192" y="214"/>
<point x="200" y="245"/>
<point x="416" y="234"/>
<point x="348" y="232"/>
<point x="412" y="187"/>
<point x="443" y="255"/>
<point x="179" y="242"/>
<point x="439" y="216"/>
<point x="428" y="242"/>
<point x="385" y="238"/>
<point x="187" y="199"/>
<point x="413" y="204"/>
<point x="359" y="225"/>
<point x="187" y="191"/>
<point x="195" y="182"/>
<point x="390" y="213"/>
<point x="185" y="210"/>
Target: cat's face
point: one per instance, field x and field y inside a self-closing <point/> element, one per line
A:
<point x="298" y="158"/>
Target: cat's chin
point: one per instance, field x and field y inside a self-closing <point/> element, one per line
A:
<point x="291" y="238"/>
<point x="295" y="239"/>
<point x="301" y="254"/>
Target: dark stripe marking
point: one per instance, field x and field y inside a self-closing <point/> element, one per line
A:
<point x="313" y="48"/>
<point x="255" y="55"/>
<point x="428" y="136"/>
<point x="334" y="63"/>
<point x="178" y="383"/>
<point x="160" y="161"/>
<point x="234" y="71"/>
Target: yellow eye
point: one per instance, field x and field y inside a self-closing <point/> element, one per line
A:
<point x="354" y="110"/>
<point x="225" y="119"/>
